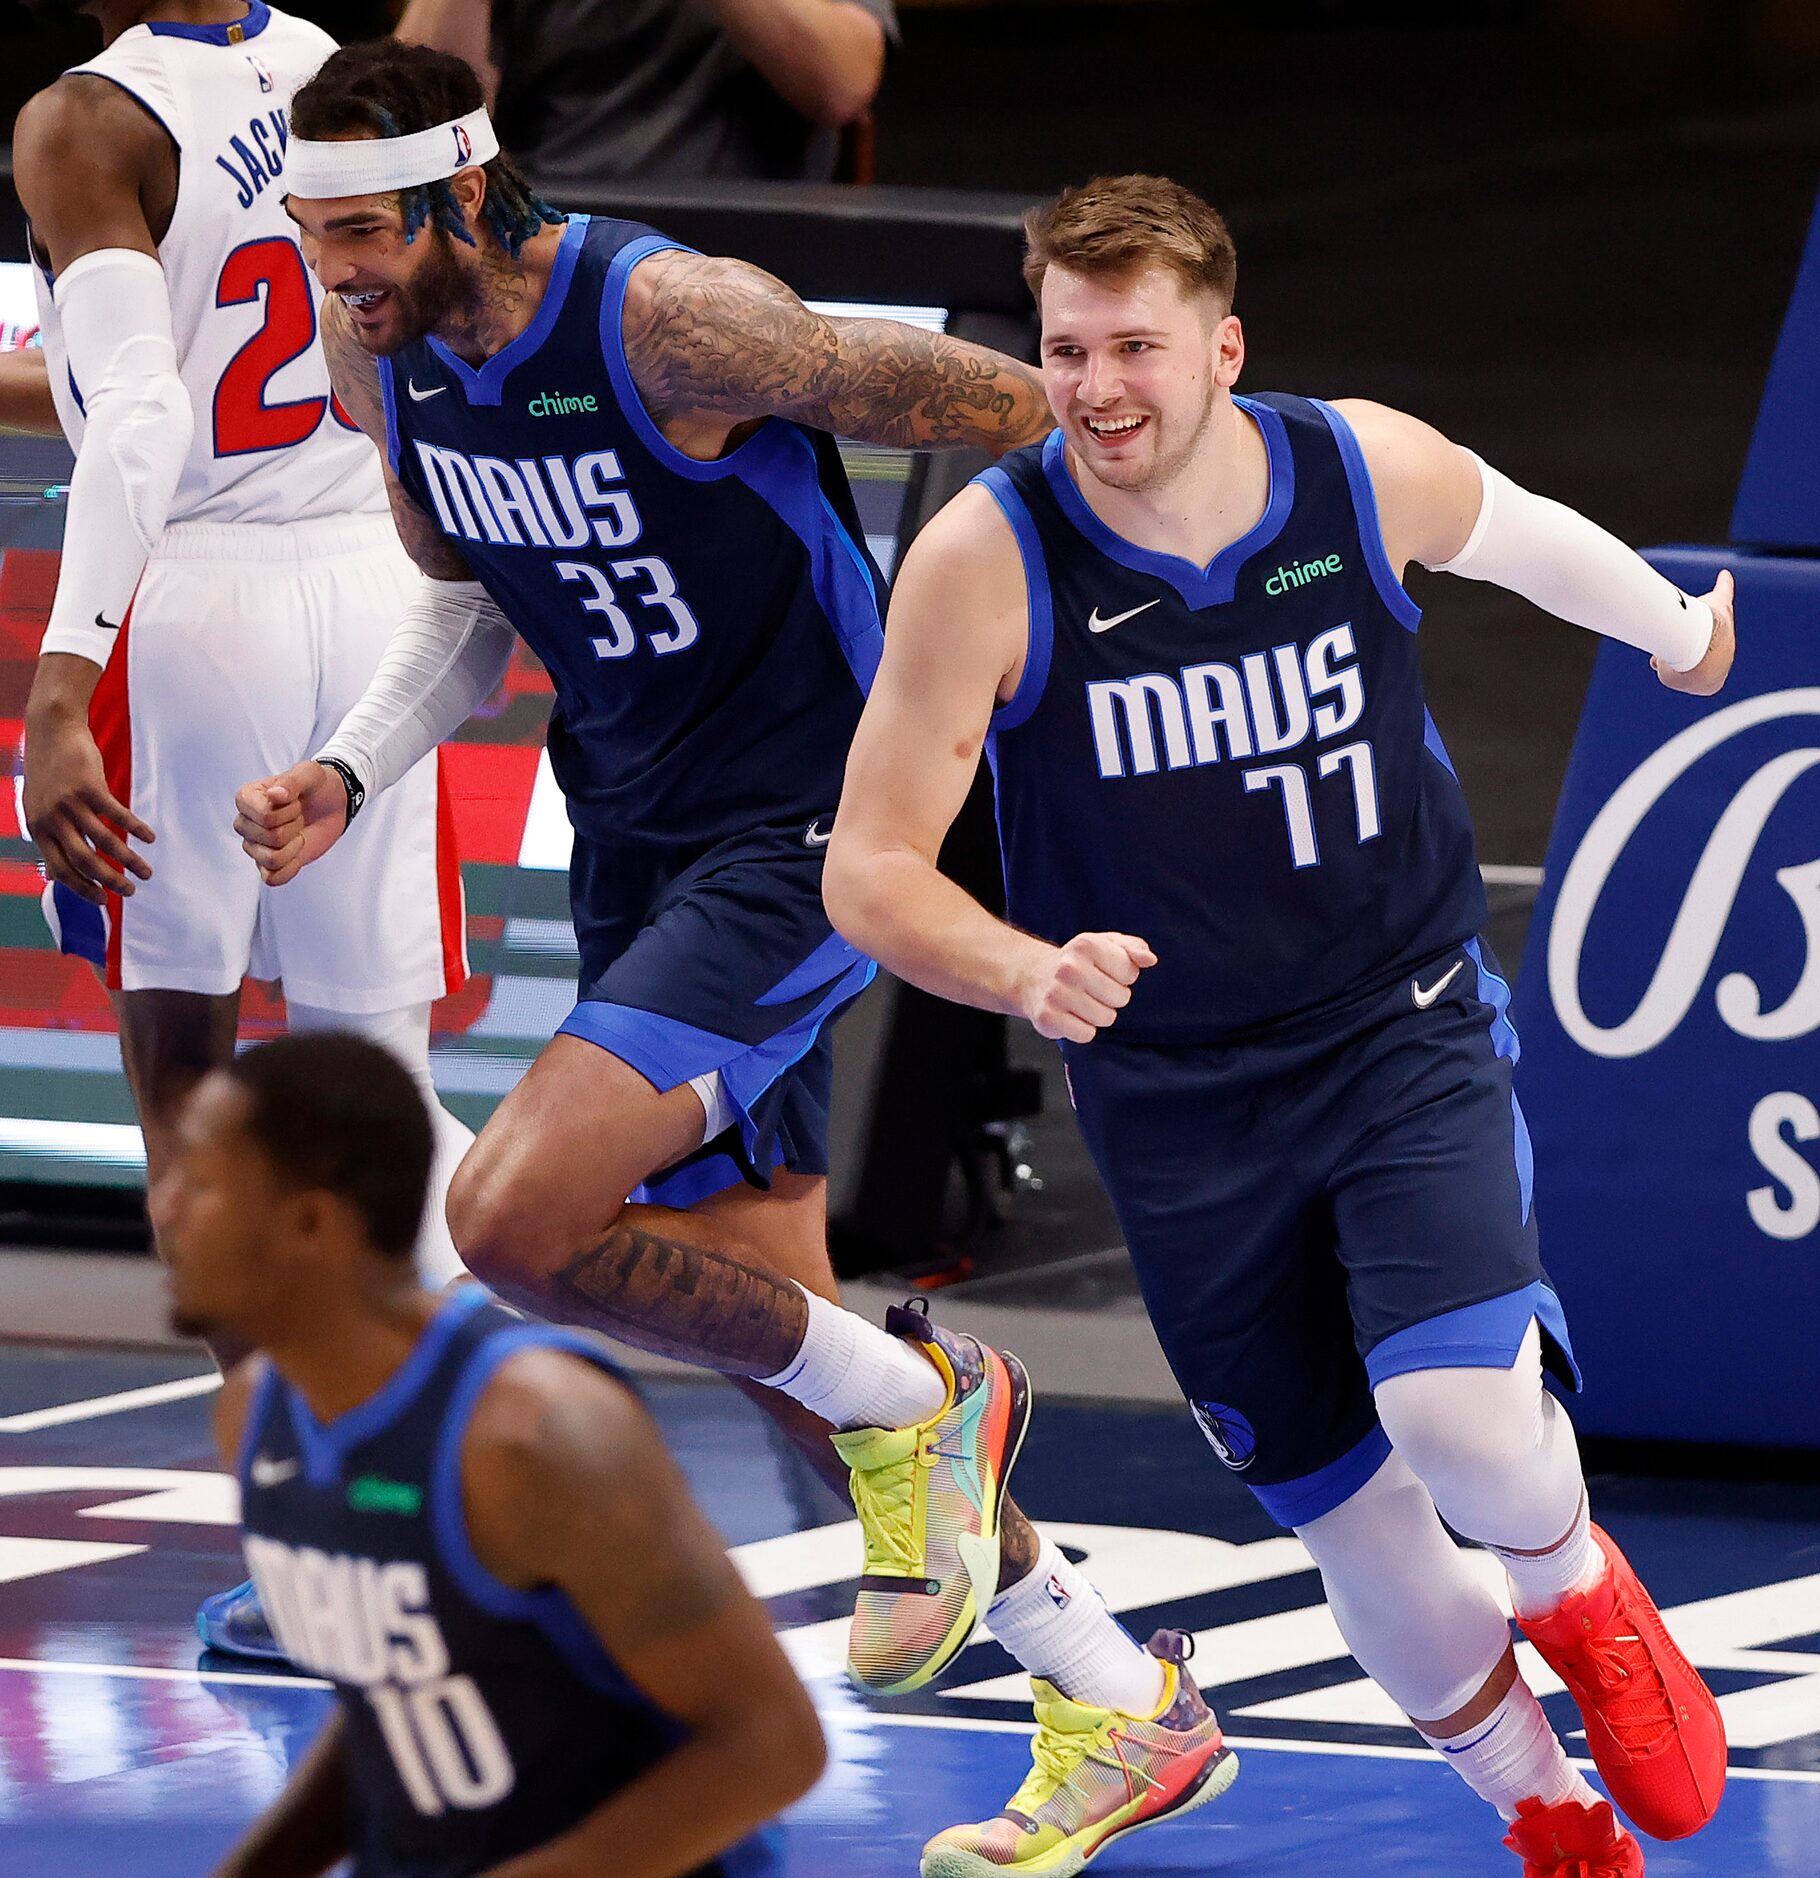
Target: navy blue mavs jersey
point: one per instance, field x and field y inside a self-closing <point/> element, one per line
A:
<point x="481" y="1720"/>
<point x="710" y="628"/>
<point x="1232" y="762"/>
<point x="1305" y="1118"/>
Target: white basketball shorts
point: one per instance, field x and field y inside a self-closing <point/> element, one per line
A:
<point x="244" y="646"/>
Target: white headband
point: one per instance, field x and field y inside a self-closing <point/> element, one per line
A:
<point x="375" y="166"/>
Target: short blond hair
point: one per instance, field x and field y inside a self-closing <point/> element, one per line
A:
<point x="1115" y="225"/>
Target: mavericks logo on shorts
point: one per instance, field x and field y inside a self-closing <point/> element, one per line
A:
<point x="1230" y="1435"/>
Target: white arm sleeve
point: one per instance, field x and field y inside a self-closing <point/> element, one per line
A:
<point x="1572" y="568"/>
<point x="444" y="657"/>
<point x="116" y="314"/>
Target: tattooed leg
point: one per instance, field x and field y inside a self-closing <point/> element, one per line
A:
<point x="658" y="1279"/>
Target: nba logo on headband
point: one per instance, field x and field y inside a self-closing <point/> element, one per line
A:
<point x="464" y="144"/>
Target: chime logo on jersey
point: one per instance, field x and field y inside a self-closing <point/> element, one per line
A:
<point x="1267" y="702"/>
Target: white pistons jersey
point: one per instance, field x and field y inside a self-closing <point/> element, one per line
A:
<point x="270" y="444"/>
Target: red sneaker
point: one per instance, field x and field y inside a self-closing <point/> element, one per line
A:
<point x="1654" y="1729"/>
<point x="1573" y="1841"/>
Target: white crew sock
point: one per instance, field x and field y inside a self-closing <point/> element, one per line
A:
<point x="854" y="1375"/>
<point x="1541" y="1581"/>
<point x="1055" y="1624"/>
<point x="1513" y="1754"/>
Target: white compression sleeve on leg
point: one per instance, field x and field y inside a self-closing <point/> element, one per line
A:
<point x="1572" y="568"/>
<point x="116" y="312"/>
<point x="1422" y="1626"/>
<point x="406" y="1033"/>
<point x="444" y="656"/>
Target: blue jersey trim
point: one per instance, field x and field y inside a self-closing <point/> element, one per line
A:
<point x="1296" y="1502"/>
<point x="324" y="1446"/>
<point x="1486" y="1335"/>
<point x="664" y="1050"/>
<point x="1431" y="742"/>
<point x="80" y="924"/>
<point x="768" y="463"/>
<point x="486" y="383"/>
<point x="1496" y="992"/>
<point x="260" y="1406"/>
<point x="693" y="1181"/>
<point x="1039" y="644"/>
<point x="613" y="351"/>
<point x="829" y="959"/>
<point x="258" y="18"/>
<point x="547" y="1608"/>
<point x="668" y="1052"/>
<point x="155" y="115"/>
<point x="788" y="481"/>
<point x="1365" y="511"/>
<point x="1199" y="587"/>
<point x="388" y="389"/>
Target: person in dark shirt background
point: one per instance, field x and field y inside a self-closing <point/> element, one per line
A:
<point x="646" y="90"/>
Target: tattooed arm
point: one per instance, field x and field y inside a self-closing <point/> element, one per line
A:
<point x="710" y="336"/>
<point x="566" y="1482"/>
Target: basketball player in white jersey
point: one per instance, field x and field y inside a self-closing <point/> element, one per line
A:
<point x="230" y="574"/>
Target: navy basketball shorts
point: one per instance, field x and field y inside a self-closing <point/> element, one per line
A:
<point x="718" y="962"/>
<point x="1315" y="1209"/>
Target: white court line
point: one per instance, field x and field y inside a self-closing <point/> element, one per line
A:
<point x="148" y="1397"/>
<point x="142" y="1672"/>
<point x="1357" y="1750"/>
<point x="1508" y="874"/>
<point x="846" y="1717"/>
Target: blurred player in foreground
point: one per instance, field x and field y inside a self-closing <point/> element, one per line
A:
<point x="545" y="1666"/>
<point x="1246" y="901"/>
<point x="229" y="575"/>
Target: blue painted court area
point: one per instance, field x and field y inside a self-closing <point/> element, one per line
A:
<point x="123" y="1754"/>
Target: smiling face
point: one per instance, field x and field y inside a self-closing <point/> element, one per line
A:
<point x="395" y="288"/>
<point x="1135" y="365"/>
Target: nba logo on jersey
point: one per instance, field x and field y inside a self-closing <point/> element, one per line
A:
<point x="260" y="73"/>
<point x="464" y="145"/>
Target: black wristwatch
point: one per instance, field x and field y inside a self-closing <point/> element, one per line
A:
<point x="349" y="781"/>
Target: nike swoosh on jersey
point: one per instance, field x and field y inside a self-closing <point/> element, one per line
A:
<point x="417" y="397"/>
<point x="107" y="625"/>
<point x="815" y="836"/>
<point x="1425" y="998"/>
<point x="1097" y="625"/>
<point x="272" y="1473"/>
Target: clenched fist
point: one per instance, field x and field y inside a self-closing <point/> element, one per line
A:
<point x="1079" y="988"/>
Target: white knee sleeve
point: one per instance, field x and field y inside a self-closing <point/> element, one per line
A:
<point x="1494" y="1448"/>
<point x="1422" y="1626"/>
<point x="406" y="1033"/>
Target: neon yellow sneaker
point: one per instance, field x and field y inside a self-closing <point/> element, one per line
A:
<point x="1096" y="1773"/>
<point x="928" y="1500"/>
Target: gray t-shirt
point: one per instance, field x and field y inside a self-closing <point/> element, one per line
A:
<point x="643" y="91"/>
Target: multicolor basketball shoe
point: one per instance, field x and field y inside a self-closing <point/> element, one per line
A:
<point x="233" y="1622"/>
<point x="1654" y="1729"/>
<point x="1573" y="1841"/>
<point x="1096" y="1773"/>
<point x="928" y="1500"/>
